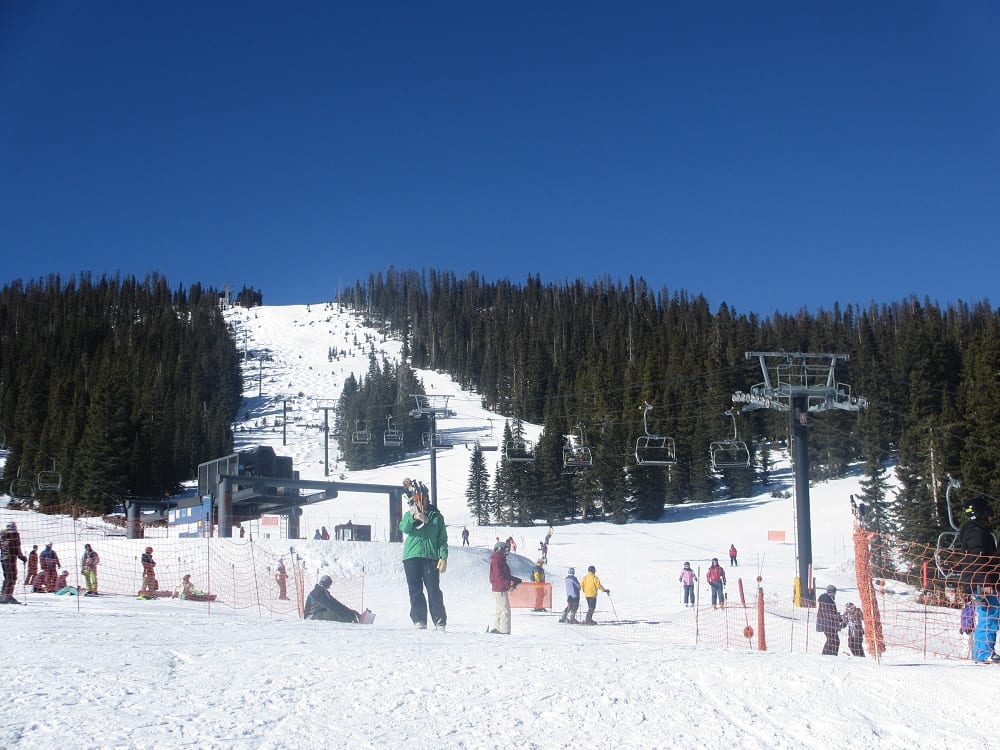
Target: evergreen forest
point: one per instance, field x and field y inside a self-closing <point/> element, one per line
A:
<point x="112" y="388"/>
<point x="602" y="364"/>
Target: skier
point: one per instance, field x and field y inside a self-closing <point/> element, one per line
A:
<point x="501" y="581"/>
<point x="984" y="636"/>
<point x="572" y="597"/>
<point x="281" y="576"/>
<point x="688" y="578"/>
<point x="716" y="577"/>
<point x="10" y="553"/>
<point x="543" y="547"/>
<point x="732" y="556"/>
<point x="590" y="585"/>
<point x="322" y="605"/>
<point x="465" y="536"/>
<point x="828" y="621"/>
<point x="425" y="558"/>
<point x="29" y="577"/>
<point x="88" y="565"/>
<point x="48" y="560"/>
<point x="855" y="629"/>
<point x="149" y="582"/>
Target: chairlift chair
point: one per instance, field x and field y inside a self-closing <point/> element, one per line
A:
<point x="21" y="488"/>
<point x="519" y="451"/>
<point x="438" y="440"/>
<point x="730" y="453"/>
<point x="577" y="456"/>
<point x="361" y="436"/>
<point x="654" y="450"/>
<point x="946" y="552"/>
<point x="392" y="438"/>
<point x="49" y="480"/>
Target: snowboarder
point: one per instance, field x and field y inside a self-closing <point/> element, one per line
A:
<point x="590" y="585"/>
<point x="716" y="577"/>
<point x="10" y="553"/>
<point x="828" y="621"/>
<point x="501" y="581"/>
<point x="572" y="597"/>
<point x="425" y="558"/>
<point x="322" y="605"/>
<point x="88" y="567"/>
<point x="688" y="579"/>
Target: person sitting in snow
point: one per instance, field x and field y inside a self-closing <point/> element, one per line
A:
<point x="322" y="605"/>
<point x="185" y="589"/>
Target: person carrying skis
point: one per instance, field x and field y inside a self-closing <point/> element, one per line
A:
<point x="732" y="556"/>
<point x="501" y="581"/>
<point x="590" y="585"/>
<point x="322" y="605"/>
<point x="828" y="621"/>
<point x="716" y="577"/>
<point x="10" y="553"/>
<point x="88" y="567"/>
<point x="688" y="579"/>
<point x="572" y="597"/>
<point x="425" y="558"/>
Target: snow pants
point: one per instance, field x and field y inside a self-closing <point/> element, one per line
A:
<point x="984" y="637"/>
<point x="9" y="575"/>
<point x="832" y="646"/>
<point x="90" y="578"/>
<point x="688" y="594"/>
<point x="421" y="573"/>
<point x="501" y="615"/>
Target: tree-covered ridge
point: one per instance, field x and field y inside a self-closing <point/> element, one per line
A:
<point x="595" y="353"/>
<point x="120" y="387"/>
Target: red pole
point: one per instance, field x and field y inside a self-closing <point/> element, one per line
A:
<point x="761" y="639"/>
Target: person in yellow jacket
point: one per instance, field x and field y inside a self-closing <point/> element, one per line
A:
<point x="589" y="587"/>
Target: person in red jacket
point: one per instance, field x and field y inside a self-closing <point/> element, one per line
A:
<point x="501" y="581"/>
<point x="716" y="577"/>
<point x="732" y="556"/>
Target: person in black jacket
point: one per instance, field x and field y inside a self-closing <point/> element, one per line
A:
<point x="975" y="537"/>
<point x="321" y="605"/>
<point x="829" y="621"/>
<point x="10" y="553"/>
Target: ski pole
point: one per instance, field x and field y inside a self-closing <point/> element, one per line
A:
<point x="612" y="605"/>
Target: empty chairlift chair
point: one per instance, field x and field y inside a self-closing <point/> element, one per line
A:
<point x="654" y="450"/>
<point x="729" y="453"/>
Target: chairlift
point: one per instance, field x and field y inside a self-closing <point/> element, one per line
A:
<point x="361" y="436"/>
<point x="519" y="451"/>
<point x="654" y="450"/>
<point x="392" y="438"/>
<point x="21" y="488"/>
<point x="49" y="480"/>
<point x="577" y="456"/>
<point x="947" y="555"/>
<point x="438" y="440"/>
<point x="730" y="453"/>
<point x="488" y="443"/>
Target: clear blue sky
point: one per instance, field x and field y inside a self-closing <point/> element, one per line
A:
<point x="769" y="155"/>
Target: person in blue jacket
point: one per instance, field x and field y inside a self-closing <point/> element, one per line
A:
<point x="425" y="557"/>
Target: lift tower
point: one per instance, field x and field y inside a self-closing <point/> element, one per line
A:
<point x="799" y="384"/>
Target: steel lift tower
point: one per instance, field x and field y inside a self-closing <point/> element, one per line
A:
<point x="799" y="384"/>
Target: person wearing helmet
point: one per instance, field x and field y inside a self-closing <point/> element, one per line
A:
<point x="10" y="553"/>
<point x="501" y="581"/>
<point x="979" y="576"/>
<point x="975" y="537"/>
<point x="322" y="605"/>
<point x="572" y="597"/>
<point x="149" y="582"/>
<point x="688" y="579"/>
<point x="829" y="621"/>
<point x="590" y="585"/>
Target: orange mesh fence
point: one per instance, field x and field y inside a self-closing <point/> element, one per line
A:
<point x="531" y="596"/>
<point x="236" y="573"/>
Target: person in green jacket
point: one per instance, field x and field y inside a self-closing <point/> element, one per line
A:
<point x="425" y="557"/>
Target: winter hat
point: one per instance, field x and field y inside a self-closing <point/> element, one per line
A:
<point x="12" y="526"/>
<point x="978" y="508"/>
<point x="687" y="565"/>
<point x="539" y="562"/>
<point x="500" y="547"/>
<point x="571" y="572"/>
<point x="148" y="549"/>
<point x="325" y="581"/>
<point x="591" y="569"/>
<point x="831" y="589"/>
